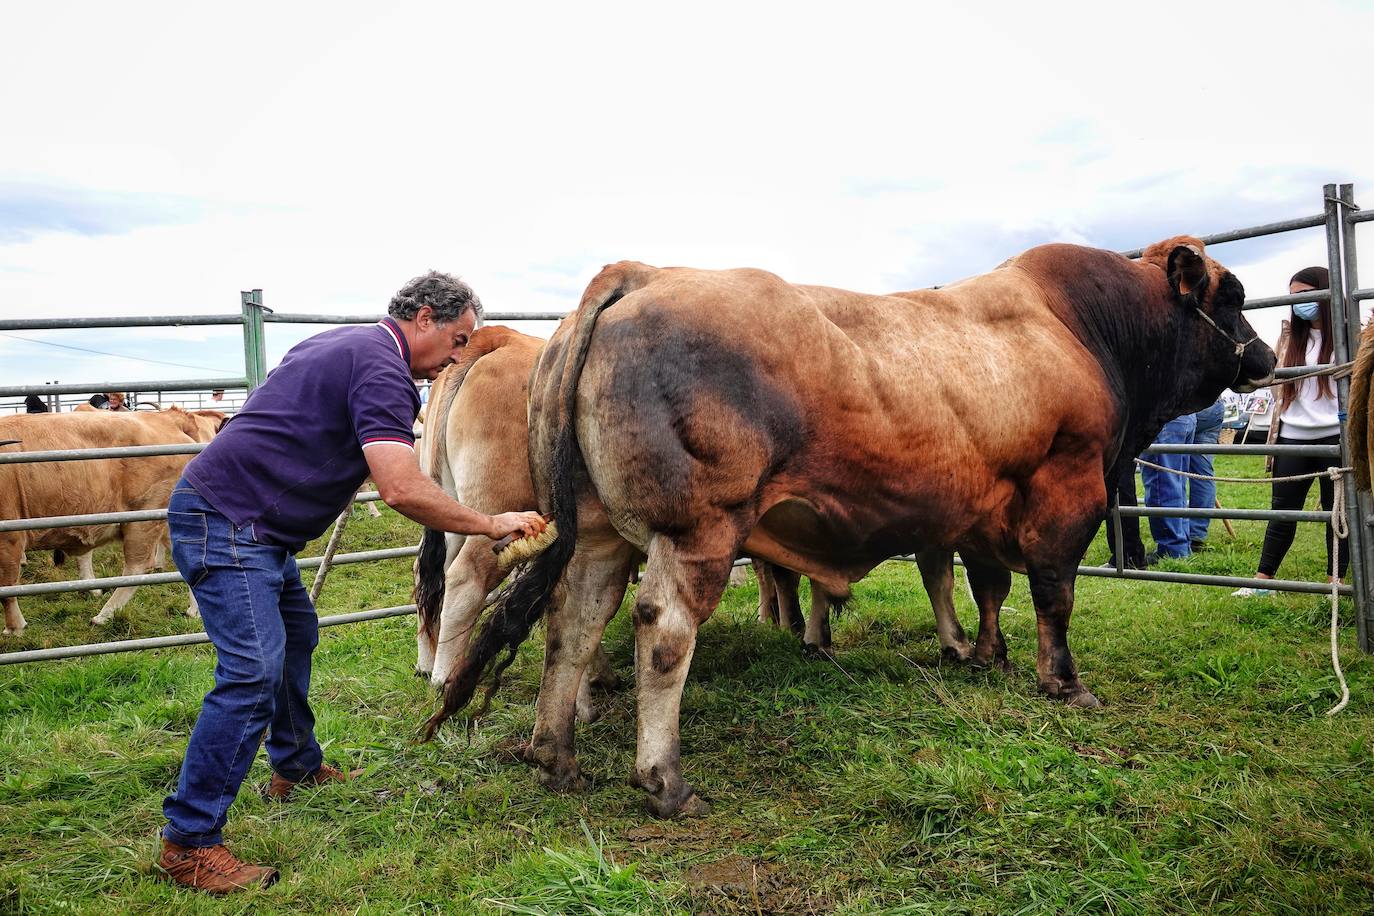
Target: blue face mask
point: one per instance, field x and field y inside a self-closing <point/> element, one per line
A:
<point x="1307" y="310"/>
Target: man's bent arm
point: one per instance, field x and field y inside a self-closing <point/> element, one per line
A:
<point x="405" y="488"/>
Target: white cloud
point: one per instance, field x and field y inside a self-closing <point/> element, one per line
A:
<point x="334" y="152"/>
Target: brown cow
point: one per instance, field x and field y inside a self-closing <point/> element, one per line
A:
<point x="475" y="442"/>
<point x="477" y="424"/>
<point x="981" y="417"/>
<point x="97" y="485"/>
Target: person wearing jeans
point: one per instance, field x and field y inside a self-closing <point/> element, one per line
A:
<point x="340" y="406"/>
<point x="1306" y="414"/>
<point x="1202" y="494"/>
<point x="1166" y="490"/>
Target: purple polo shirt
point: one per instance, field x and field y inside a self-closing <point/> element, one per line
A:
<point x="291" y="459"/>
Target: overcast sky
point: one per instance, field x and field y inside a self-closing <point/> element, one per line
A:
<point x="158" y="158"/>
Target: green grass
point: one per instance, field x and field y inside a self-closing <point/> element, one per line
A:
<point x="1211" y="782"/>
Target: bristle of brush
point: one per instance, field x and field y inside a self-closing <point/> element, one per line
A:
<point x="526" y="548"/>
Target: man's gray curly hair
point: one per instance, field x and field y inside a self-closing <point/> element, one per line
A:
<point x="448" y="296"/>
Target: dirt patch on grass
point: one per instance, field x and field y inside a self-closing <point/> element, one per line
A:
<point x="737" y="884"/>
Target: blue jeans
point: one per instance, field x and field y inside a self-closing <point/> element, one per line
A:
<point x="1169" y="490"/>
<point x="1202" y="494"/>
<point x="264" y="629"/>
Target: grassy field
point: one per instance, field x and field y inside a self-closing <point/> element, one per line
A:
<point x="1212" y="781"/>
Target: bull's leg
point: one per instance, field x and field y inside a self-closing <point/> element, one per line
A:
<point x="11" y="550"/>
<point x="426" y="643"/>
<point x="85" y="569"/>
<point x="160" y="553"/>
<point x="937" y="574"/>
<point x="684" y="584"/>
<point x="140" y="539"/>
<point x="990" y="583"/>
<point x="193" y="609"/>
<point x="467" y="580"/>
<point x="739" y="576"/>
<point x="787" y="588"/>
<point x="1062" y="515"/>
<point x="600" y="674"/>
<point x="768" y="592"/>
<point x="818" y="621"/>
<point x="593" y="587"/>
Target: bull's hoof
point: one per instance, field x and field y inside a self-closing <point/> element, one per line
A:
<point x="587" y="713"/>
<point x="665" y="799"/>
<point x="421" y="672"/>
<point x="815" y="651"/>
<point x="607" y="682"/>
<point x="13" y="631"/>
<point x="1075" y="695"/>
<point x="99" y="621"/>
<point x="564" y="780"/>
<point x="999" y="661"/>
<point x="692" y="805"/>
<point x="562" y="776"/>
<point x="957" y="655"/>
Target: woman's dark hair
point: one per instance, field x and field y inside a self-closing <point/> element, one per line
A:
<point x="1300" y="331"/>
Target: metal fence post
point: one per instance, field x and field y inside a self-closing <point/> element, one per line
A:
<point x="254" y="342"/>
<point x="1361" y="550"/>
<point x="1341" y="323"/>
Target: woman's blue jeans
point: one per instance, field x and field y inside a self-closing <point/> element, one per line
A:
<point x="260" y="619"/>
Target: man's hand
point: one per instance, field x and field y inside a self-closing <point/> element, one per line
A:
<point x="525" y="524"/>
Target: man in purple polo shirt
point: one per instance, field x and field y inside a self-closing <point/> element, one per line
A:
<point x="340" y="406"/>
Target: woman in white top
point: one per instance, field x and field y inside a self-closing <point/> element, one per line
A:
<point x="1307" y="414"/>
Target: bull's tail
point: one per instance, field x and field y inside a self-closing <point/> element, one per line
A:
<point x="554" y="447"/>
<point x="1358" y="426"/>
<point x="429" y="565"/>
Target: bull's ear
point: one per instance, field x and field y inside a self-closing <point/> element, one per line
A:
<point x="1188" y="273"/>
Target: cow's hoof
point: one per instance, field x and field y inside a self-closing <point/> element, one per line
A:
<point x="667" y="798"/>
<point x="1075" y="695"/>
<point x="1000" y="662"/>
<point x="690" y="805"/>
<point x="956" y="655"/>
<point x="99" y="621"/>
<point x="565" y="780"/>
<point x="609" y="682"/>
<point x="421" y="672"/>
<point x="13" y="631"/>
<point x="193" y="613"/>
<point x="96" y="592"/>
<point x="587" y="714"/>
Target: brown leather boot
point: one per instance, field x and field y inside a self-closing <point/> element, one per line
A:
<point x="212" y="869"/>
<point x="280" y="787"/>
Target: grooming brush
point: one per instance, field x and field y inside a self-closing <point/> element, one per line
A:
<point x="513" y="549"/>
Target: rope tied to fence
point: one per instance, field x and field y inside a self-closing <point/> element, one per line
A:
<point x="1340" y="530"/>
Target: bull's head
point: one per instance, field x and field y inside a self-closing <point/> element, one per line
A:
<point x="1217" y="339"/>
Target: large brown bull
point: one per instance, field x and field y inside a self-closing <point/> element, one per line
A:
<point x="981" y="417"/>
<point x="40" y="489"/>
<point x="476" y="438"/>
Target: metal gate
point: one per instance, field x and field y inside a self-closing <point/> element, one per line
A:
<point x="1339" y="217"/>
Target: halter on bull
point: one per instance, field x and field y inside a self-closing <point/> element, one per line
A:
<point x="982" y="417"/>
